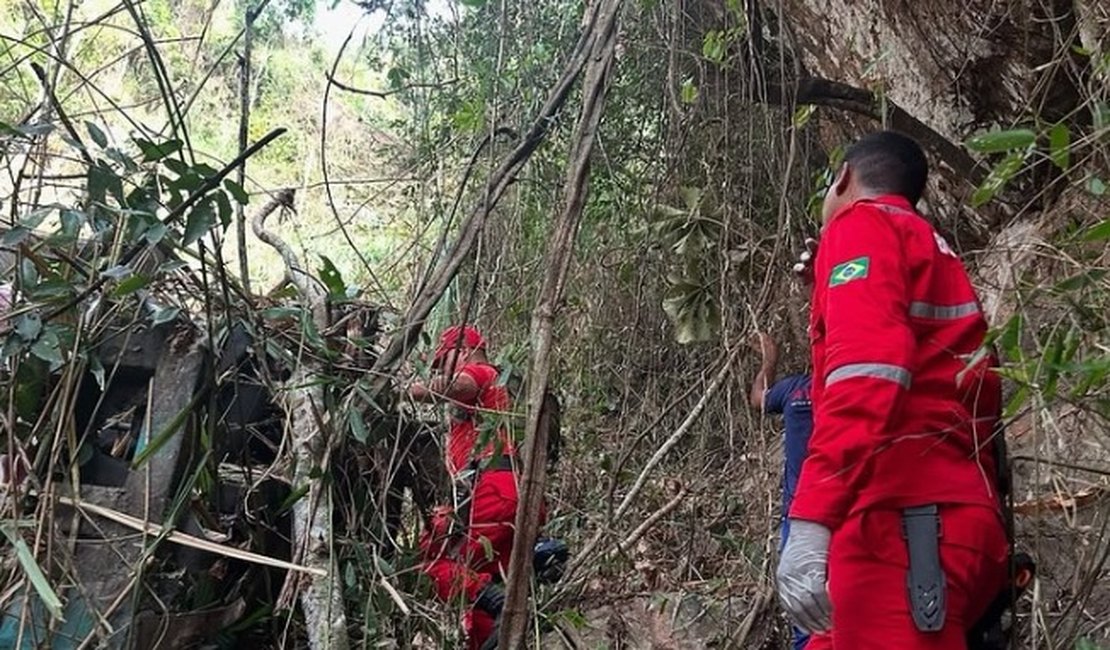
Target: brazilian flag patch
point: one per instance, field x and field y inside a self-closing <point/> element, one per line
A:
<point x="851" y="270"/>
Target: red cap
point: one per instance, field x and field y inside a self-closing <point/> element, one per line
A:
<point x="449" y="340"/>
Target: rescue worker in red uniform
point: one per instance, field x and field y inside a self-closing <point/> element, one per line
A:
<point x="896" y="534"/>
<point x="466" y="550"/>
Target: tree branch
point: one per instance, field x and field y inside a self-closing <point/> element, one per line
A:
<point x="824" y="92"/>
<point x="534" y="466"/>
<point x="382" y="94"/>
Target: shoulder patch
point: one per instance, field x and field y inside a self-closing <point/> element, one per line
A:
<point x="943" y="247"/>
<point x="848" y="271"/>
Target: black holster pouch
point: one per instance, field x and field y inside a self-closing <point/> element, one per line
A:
<point x="925" y="582"/>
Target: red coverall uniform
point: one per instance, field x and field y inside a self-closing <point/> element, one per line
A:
<point x="462" y="562"/>
<point x="903" y="415"/>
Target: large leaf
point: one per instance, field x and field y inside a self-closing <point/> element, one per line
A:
<point x="1059" y="142"/>
<point x="237" y="192"/>
<point x="1096" y="186"/>
<point x="97" y="135"/>
<point x="200" y="221"/>
<point x="1002" y="141"/>
<point x="713" y="46"/>
<point x="130" y="285"/>
<point x="332" y="279"/>
<point x="1098" y="232"/>
<point x="692" y="309"/>
<point x="32" y="571"/>
<point x="28" y="326"/>
<point x="49" y="349"/>
<point x="358" y="426"/>
<point x="156" y="151"/>
<point x="689" y="91"/>
<point x="999" y="177"/>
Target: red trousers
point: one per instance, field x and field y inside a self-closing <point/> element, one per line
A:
<point x="462" y="562"/>
<point x="867" y="580"/>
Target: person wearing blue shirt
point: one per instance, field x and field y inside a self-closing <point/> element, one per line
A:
<point x="788" y="397"/>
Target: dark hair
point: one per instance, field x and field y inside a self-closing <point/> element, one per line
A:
<point x="890" y="162"/>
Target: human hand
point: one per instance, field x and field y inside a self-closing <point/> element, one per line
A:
<point x="802" y="574"/>
<point x="803" y="268"/>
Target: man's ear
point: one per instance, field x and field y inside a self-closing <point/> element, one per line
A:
<point x="843" y="179"/>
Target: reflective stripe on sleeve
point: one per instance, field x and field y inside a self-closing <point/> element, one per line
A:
<point x="889" y="372"/>
<point x="943" y="312"/>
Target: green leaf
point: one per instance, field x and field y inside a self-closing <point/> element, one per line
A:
<point x="291" y="500"/>
<point x="179" y="167"/>
<point x="31" y="569"/>
<point x="1019" y="399"/>
<point x="97" y="135"/>
<point x="149" y="445"/>
<point x="29" y="274"/>
<point x="398" y="76"/>
<point x="349" y="576"/>
<point x="332" y="279"/>
<point x="802" y="115"/>
<point x="1100" y="115"/>
<point x="153" y="152"/>
<point x="200" y="221"/>
<point x="237" y="192"/>
<point x="130" y="285"/>
<point x="72" y="221"/>
<point x="30" y="130"/>
<point x="28" y="326"/>
<point x="48" y="348"/>
<point x="1010" y="340"/>
<point x="155" y="233"/>
<point x="164" y="315"/>
<point x="1098" y="232"/>
<point x="487" y="547"/>
<point x="358" y="426"/>
<point x="1096" y="186"/>
<point x="35" y="218"/>
<point x="574" y="618"/>
<point x="15" y="236"/>
<point x="1083" y="643"/>
<point x="689" y="91"/>
<point x="1059" y="143"/>
<point x="713" y="46"/>
<point x="1001" y="141"/>
<point x="999" y="177"/>
<point x="123" y="159"/>
<point x="473" y="3"/>
<point x="1080" y="280"/>
<point x="223" y="209"/>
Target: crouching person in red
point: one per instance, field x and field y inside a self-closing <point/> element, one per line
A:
<point x="896" y="535"/>
<point x="466" y="549"/>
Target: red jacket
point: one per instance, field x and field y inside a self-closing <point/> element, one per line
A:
<point x="466" y="433"/>
<point x="900" y="418"/>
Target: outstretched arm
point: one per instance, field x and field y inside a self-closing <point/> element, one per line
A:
<point x="461" y="388"/>
<point x="766" y="375"/>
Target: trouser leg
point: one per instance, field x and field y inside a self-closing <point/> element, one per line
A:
<point x="868" y="561"/>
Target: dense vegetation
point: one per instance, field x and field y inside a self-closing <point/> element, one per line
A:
<point x="118" y="124"/>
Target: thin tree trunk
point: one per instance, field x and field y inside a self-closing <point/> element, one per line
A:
<point x="602" y="49"/>
<point x="244" y="131"/>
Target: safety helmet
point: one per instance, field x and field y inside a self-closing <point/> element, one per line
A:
<point x="449" y="340"/>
